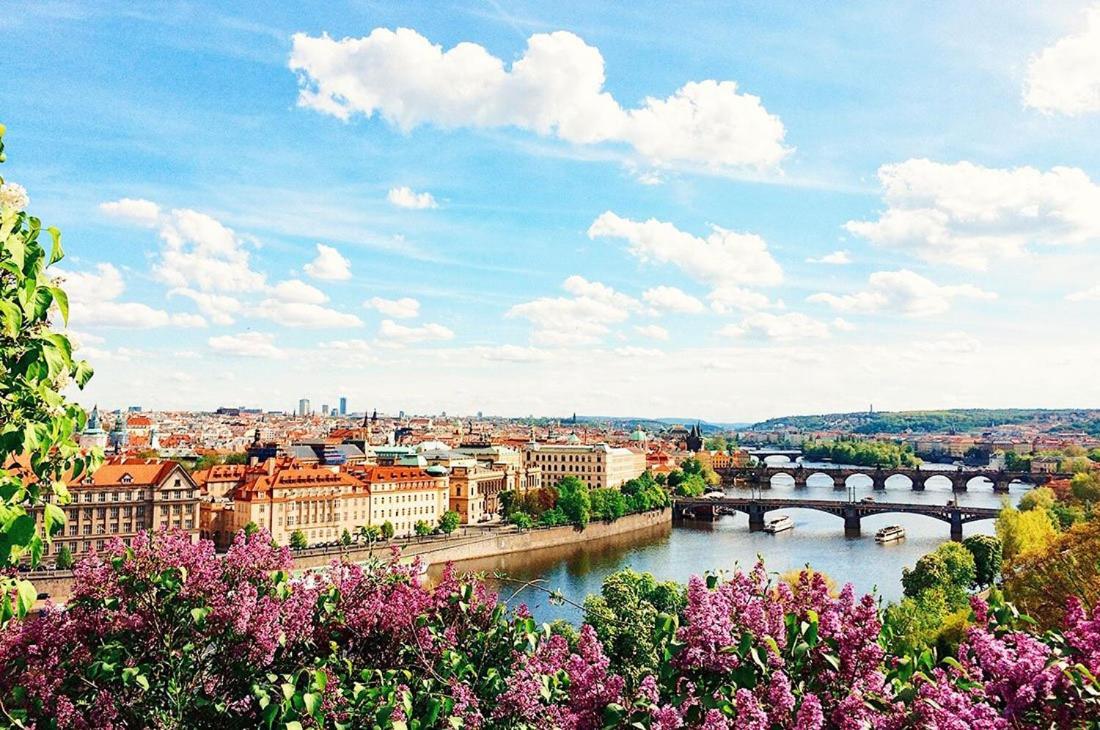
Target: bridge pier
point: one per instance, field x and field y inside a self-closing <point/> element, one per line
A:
<point x="918" y="483"/>
<point x="851" y="521"/>
<point x="800" y="478"/>
<point x="956" y="526"/>
<point x="878" y="481"/>
<point x="958" y="484"/>
<point x="1001" y="486"/>
<point x="756" y="517"/>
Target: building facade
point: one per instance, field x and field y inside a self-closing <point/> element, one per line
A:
<point x="597" y="465"/>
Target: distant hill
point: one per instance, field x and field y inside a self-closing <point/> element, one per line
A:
<point x="940" y="421"/>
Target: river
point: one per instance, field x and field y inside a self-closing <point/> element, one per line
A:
<point x="692" y="548"/>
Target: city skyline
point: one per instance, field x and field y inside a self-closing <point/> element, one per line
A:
<point x="737" y="217"/>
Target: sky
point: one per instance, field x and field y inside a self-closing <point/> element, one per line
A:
<point x="727" y="213"/>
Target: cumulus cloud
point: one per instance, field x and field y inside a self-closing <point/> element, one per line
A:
<point x="199" y="251"/>
<point x="555" y="88"/>
<point x="905" y="292"/>
<point x="219" y="308"/>
<point x="671" y="299"/>
<point x="404" y="197"/>
<point x="1092" y="294"/>
<point x="330" y="265"/>
<point x="391" y="334"/>
<point x="247" y="344"/>
<point x="133" y="210"/>
<point x="1065" y="77"/>
<point x="970" y="215"/>
<point x="836" y="258"/>
<point x="652" y="331"/>
<point x="93" y="301"/>
<point x="723" y="258"/>
<point x="583" y="318"/>
<point x="293" y="303"/>
<point x="726" y="299"/>
<point x="403" y="308"/>
<point x="778" y="327"/>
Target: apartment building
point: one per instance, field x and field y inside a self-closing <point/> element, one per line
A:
<point x="475" y="492"/>
<point x="405" y="495"/>
<point x="597" y="465"/>
<point x="123" y="497"/>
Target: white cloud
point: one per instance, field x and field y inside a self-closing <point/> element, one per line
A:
<point x="329" y="265"/>
<point x="951" y="343"/>
<point x="293" y="303"/>
<point x="902" y="291"/>
<point x="248" y="344"/>
<point x="778" y="327"/>
<point x="723" y="258"/>
<point x="671" y="299"/>
<point x="391" y="334"/>
<point x="93" y="301"/>
<point x="513" y="353"/>
<point x="404" y="197"/>
<point x="1065" y="77"/>
<point x="583" y="318"/>
<point x="220" y="308"/>
<point x="134" y="210"/>
<point x="836" y="258"/>
<point x="730" y="298"/>
<point x="555" y="88"/>
<point x="842" y="325"/>
<point x="969" y="215"/>
<point x="652" y="331"/>
<point x="403" y="308"/>
<point x="1092" y="294"/>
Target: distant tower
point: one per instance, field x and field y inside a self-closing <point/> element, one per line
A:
<point x="343" y="406"/>
<point x="303" y="407"/>
<point x="695" y="439"/>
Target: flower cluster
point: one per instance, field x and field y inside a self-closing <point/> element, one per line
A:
<point x="13" y="196"/>
<point x="166" y="633"/>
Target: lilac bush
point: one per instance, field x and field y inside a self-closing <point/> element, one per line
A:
<point x="164" y="633"/>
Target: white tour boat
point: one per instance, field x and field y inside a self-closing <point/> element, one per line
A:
<point x="779" y="524"/>
<point x="891" y="533"/>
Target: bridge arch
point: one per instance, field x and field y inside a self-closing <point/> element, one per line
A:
<point x="980" y="483"/>
<point x="786" y="474"/>
<point x="820" y="475"/>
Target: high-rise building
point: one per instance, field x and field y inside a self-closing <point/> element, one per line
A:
<point x="324" y="409"/>
<point x="303" y="407"/>
<point x="343" y="406"/>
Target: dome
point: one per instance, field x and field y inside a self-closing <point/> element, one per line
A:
<point x="437" y="471"/>
<point x="573" y="438"/>
<point x="638" y="435"/>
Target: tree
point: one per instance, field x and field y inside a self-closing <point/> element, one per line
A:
<point x="1042" y="580"/>
<point x="298" y="540"/>
<point x="522" y="520"/>
<point x="1024" y="532"/>
<point x="38" y="425"/>
<point x="250" y="528"/>
<point x="449" y="522"/>
<point x="691" y="485"/>
<point x="1040" y="498"/>
<point x="607" y="504"/>
<point x="345" y="537"/>
<point x="987" y="551"/>
<point x="387" y="530"/>
<point x="64" y="558"/>
<point x="422" y="528"/>
<point x="950" y="568"/>
<point x="1085" y="486"/>
<point x="574" y="500"/>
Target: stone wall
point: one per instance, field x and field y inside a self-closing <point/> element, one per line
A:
<point x="473" y="544"/>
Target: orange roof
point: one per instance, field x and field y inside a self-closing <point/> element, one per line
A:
<point x="138" y="421"/>
<point x="142" y="472"/>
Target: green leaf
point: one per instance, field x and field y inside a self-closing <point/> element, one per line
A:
<point x="62" y="300"/>
<point x="27" y="595"/>
<point x="52" y="517"/>
<point x="56" y="252"/>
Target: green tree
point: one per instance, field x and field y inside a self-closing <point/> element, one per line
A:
<point x="449" y="522"/>
<point x="1085" y="486"/>
<point x="949" y="568"/>
<point x="574" y="500"/>
<point x="1016" y="462"/>
<point x="250" y="528"/>
<point x="986" y="550"/>
<point x="691" y="486"/>
<point x="64" y="558"/>
<point x="298" y="540"/>
<point x="625" y="615"/>
<point x="387" y="530"/>
<point x="38" y="425"/>
<point x="522" y="520"/>
<point x="607" y="504"/>
<point x="1041" y="498"/>
<point x="422" y="528"/>
<point x="345" y="537"/>
<point x="1024" y="532"/>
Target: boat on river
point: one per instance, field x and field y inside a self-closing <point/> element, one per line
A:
<point x="779" y="524"/>
<point x="890" y="533"/>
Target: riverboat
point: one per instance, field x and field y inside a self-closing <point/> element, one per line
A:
<point x="892" y="533"/>
<point x="779" y="524"/>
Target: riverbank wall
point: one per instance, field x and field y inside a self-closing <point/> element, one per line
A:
<point x="470" y="543"/>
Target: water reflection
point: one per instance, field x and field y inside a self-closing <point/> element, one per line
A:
<point x="695" y="547"/>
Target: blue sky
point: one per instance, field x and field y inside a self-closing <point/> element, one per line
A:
<point x="895" y="204"/>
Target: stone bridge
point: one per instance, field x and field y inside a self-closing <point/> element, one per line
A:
<point x="761" y="475"/>
<point x="851" y="512"/>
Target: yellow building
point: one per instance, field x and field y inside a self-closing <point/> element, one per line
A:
<point x="475" y="492"/>
<point x="597" y="465"/>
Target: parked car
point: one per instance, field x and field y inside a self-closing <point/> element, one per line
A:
<point x="715" y="495"/>
<point x="868" y="499"/>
